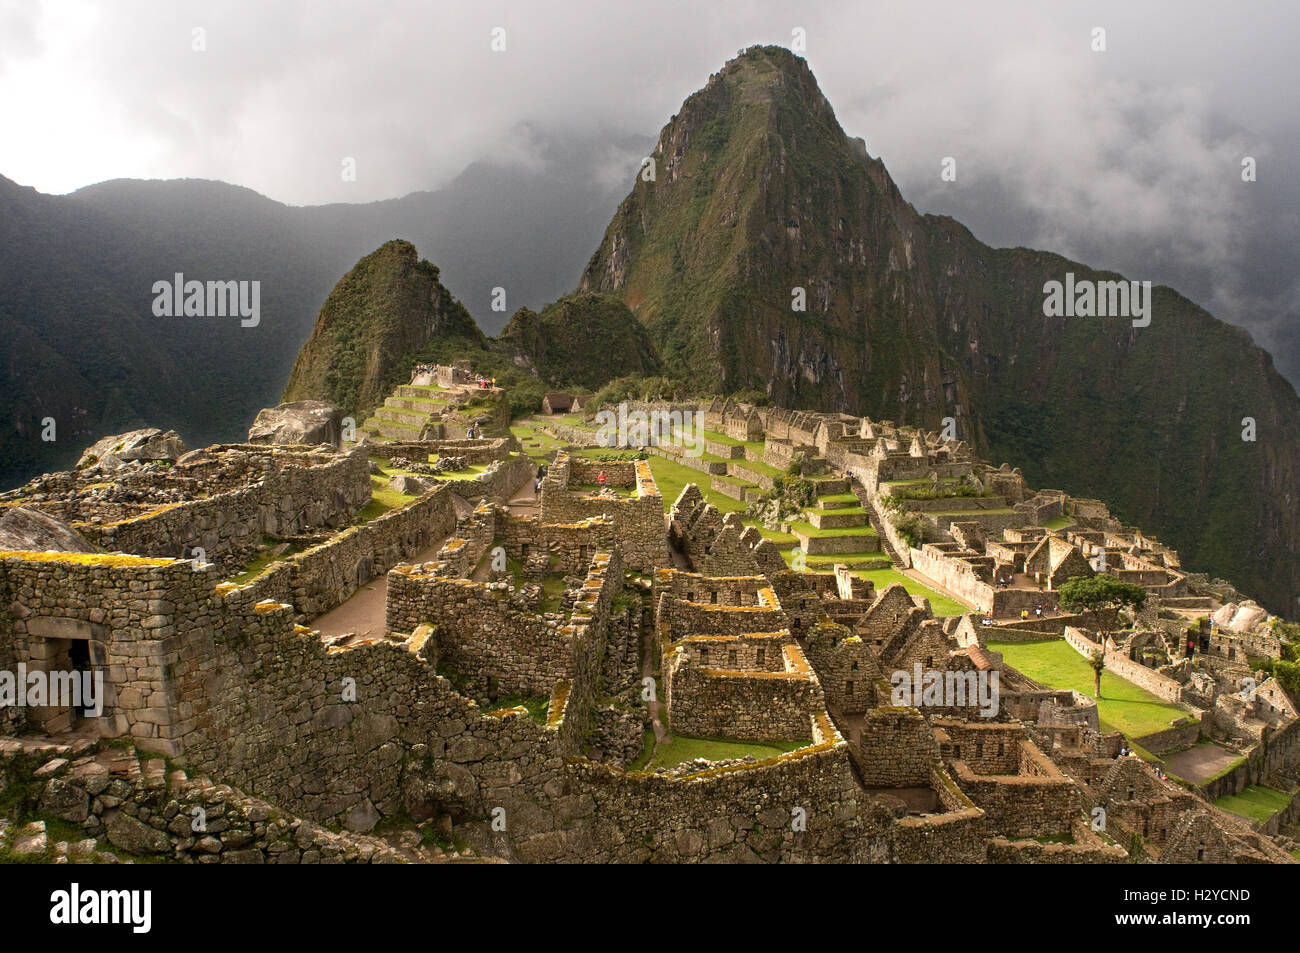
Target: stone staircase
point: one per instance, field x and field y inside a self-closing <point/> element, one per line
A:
<point x="838" y="522"/>
<point x="408" y="411"/>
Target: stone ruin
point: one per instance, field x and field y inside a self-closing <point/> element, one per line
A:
<point x="512" y="674"/>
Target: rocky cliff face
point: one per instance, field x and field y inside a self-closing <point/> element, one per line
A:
<point x="389" y="307"/>
<point x="760" y="203"/>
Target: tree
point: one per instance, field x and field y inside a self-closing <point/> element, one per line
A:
<point x="1098" y="662"/>
<point x="1102" y="591"/>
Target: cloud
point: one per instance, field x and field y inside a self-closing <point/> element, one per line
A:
<point x="1127" y="159"/>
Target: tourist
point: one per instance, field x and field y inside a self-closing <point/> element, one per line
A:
<point x="1024" y="615"/>
<point x="601" y="479"/>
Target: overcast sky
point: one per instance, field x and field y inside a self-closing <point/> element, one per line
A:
<point x="1128" y="159"/>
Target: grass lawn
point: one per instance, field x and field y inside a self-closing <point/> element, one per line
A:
<point x="1123" y="706"/>
<point x="1059" y="523"/>
<point x="382" y="499"/>
<point x="940" y="604"/>
<point x="811" y="530"/>
<point x="539" y="446"/>
<point x="716" y="749"/>
<point x="1257" y="803"/>
<point x="671" y="477"/>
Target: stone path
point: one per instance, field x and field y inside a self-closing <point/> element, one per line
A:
<point x="363" y="615"/>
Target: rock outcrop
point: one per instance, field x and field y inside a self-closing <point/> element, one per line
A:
<point x="310" y="422"/>
<point x="148" y="443"/>
<point x="27" y="530"/>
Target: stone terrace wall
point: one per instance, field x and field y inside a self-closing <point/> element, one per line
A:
<point x="1120" y="664"/>
<point x="498" y="483"/>
<point x="228" y="526"/>
<point x="475" y="452"/>
<point x="733" y="814"/>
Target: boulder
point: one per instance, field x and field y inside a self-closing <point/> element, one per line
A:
<point x="149" y="443"/>
<point x="300" y="422"/>
<point x="135" y="837"/>
<point x="29" y="530"/>
<point x="408" y="485"/>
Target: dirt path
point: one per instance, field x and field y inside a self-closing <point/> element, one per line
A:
<point x="363" y="614"/>
<point x="1200" y="762"/>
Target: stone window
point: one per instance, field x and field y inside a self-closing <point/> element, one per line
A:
<point x="848" y="687"/>
<point x="1002" y="749"/>
<point x="762" y="656"/>
<point x="731" y="657"/>
<point x="704" y="653"/>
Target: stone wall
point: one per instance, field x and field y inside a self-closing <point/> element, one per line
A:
<point x="731" y="702"/>
<point x="897" y="749"/>
<point x="327" y="575"/>
<point x="229" y="525"/>
<point x="131" y="611"/>
<point x="1120" y="664"/>
<point x="474" y="452"/>
<point x="147" y="812"/>
<point x="638" y="521"/>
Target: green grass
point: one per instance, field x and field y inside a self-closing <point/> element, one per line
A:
<point x="1123" y="706"/>
<point x="1257" y="802"/>
<point x="940" y="604"/>
<point x="382" y="499"/>
<point x="811" y="530"/>
<point x="682" y="749"/>
<point x="779" y="539"/>
<point x="262" y="560"/>
<point x="537" y="706"/>
<point x="546" y="445"/>
<point x="672" y="477"/>
<point x="1059" y="523"/>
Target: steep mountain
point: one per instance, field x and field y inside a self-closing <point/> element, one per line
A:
<point x="389" y="307"/>
<point x="759" y="202"/>
<point x="582" y="340"/>
<point x="79" y="342"/>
